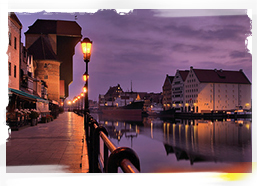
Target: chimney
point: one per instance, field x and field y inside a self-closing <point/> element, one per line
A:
<point x="241" y="70"/>
<point x="215" y="70"/>
<point x="191" y="67"/>
<point x="221" y="70"/>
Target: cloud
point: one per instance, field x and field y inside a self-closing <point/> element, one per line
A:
<point x="238" y="54"/>
<point x="191" y="48"/>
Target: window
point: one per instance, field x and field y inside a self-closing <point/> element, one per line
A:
<point x="10" y="68"/>
<point x="15" y="40"/>
<point x="10" y="39"/>
<point x="14" y="73"/>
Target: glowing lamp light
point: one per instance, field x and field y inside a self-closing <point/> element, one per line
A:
<point x="86" y="46"/>
<point x="78" y="97"/>
<point x="84" y="89"/>
<point x="69" y="102"/>
<point x="85" y="77"/>
<point x="82" y="94"/>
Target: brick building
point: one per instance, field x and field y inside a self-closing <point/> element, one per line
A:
<point x="13" y="52"/>
<point x="52" y="44"/>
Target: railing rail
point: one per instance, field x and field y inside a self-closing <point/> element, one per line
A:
<point x="113" y="157"/>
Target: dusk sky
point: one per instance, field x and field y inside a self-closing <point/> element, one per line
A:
<point x="145" y="45"/>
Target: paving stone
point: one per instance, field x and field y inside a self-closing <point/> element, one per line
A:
<point x="50" y="147"/>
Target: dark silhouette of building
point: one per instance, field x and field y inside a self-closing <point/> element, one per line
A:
<point x="52" y="43"/>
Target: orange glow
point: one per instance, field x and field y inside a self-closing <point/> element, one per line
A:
<point x="82" y="94"/>
<point x="69" y="102"/>
<point x="85" y="77"/>
<point x="84" y="89"/>
<point x="78" y="97"/>
<point x="86" y="47"/>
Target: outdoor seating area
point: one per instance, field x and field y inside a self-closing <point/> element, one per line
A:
<point x="27" y="117"/>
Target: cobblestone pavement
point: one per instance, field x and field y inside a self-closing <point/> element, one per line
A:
<point x="56" y="146"/>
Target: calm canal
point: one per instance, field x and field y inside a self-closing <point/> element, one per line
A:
<point x="184" y="145"/>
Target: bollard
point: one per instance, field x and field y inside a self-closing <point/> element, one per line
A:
<point x="119" y="154"/>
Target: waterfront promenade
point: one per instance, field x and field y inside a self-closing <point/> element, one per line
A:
<point x="56" y="146"/>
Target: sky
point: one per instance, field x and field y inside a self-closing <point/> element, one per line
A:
<point x="144" y="45"/>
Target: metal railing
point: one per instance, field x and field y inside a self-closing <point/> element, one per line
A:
<point x="112" y="157"/>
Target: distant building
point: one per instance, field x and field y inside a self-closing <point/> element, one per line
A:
<point x="167" y="92"/>
<point x="13" y="52"/>
<point x="178" y="90"/>
<point x="112" y="94"/>
<point x="116" y="97"/>
<point x="214" y="90"/>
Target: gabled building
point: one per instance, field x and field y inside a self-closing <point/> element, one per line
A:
<point x="216" y="90"/>
<point x="167" y="92"/>
<point x="178" y="90"/>
<point x="112" y="94"/>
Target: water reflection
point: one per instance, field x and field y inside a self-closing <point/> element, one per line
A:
<point x="190" y="140"/>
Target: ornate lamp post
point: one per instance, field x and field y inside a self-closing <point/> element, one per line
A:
<point x="86" y="46"/>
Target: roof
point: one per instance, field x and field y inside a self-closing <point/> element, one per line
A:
<point x="15" y="18"/>
<point x="170" y="78"/>
<point x="42" y="49"/>
<point x="183" y="74"/>
<point x="113" y="91"/>
<point x="221" y="76"/>
<point x="27" y="95"/>
<point x="58" y="27"/>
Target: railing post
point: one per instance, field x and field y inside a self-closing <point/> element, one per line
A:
<point x="96" y="143"/>
<point x="105" y="155"/>
<point x="114" y="160"/>
<point x="90" y="151"/>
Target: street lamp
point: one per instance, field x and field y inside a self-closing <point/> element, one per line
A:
<point x="85" y="77"/>
<point x="86" y="46"/>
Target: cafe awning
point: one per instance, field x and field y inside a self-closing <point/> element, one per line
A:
<point x="27" y="95"/>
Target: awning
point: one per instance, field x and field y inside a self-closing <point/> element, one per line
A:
<point x="27" y="95"/>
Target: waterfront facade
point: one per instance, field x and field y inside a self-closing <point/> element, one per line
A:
<point x="167" y="92"/>
<point x="13" y="52"/>
<point x="178" y="90"/>
<point x="216" y="90"/>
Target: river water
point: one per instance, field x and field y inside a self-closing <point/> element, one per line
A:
<point x="184" y="145"/>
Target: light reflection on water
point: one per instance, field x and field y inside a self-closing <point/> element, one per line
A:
<point x="185" y="145"/>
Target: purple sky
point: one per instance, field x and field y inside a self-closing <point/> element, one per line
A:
<point x="145" y="45"/>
